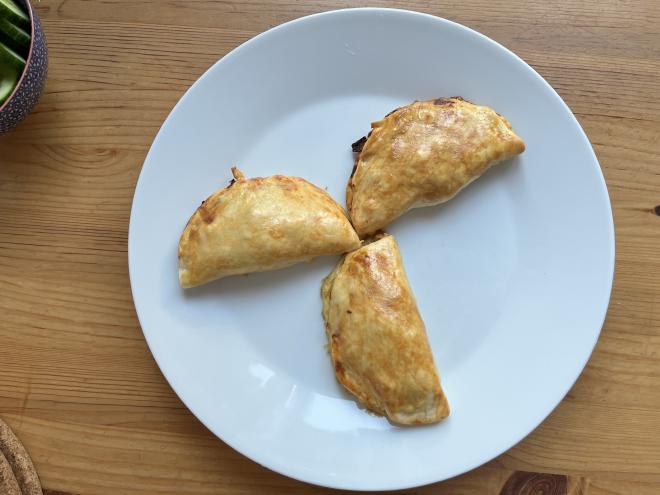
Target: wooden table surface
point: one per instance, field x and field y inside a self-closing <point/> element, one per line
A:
<point x="77" y="381"/>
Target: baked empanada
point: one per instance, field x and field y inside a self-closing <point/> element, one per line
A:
<point x="377" y="338"/>
<point x="423" y="154"/>
<point x="261" y="224"/>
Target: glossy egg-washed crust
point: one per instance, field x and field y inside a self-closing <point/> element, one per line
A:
<point x="261" y="224"/>
<point x="376" y="336"/>
<point x="423" y="154"/>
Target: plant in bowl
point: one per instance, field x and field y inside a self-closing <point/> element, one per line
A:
<point x="23" y="61"/>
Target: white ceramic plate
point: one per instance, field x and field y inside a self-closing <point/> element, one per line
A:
<point x="512" y="277"/>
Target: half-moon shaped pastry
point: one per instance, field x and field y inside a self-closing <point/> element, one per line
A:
<point x="423" y="154"/>
<point x="376" y="336"/>
<point x="261" y="224"/>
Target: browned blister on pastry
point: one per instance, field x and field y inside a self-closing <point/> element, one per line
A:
<point x="376" y="336"/>
<point x="423" y="154"/>
<point x="261" y="224"/>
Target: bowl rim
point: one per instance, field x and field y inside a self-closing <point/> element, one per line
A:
<point x="27" y="60"/>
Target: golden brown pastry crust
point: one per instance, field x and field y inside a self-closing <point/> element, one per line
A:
<point x="261" y="224"/>
<point x="377" y="338"/>
<point x="423" y="154"/>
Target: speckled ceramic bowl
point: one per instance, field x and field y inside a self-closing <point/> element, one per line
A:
<point x="31" y="84"/>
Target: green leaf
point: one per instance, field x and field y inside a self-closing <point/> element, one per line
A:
<point x="14" y="37"/>
<point x="10" y="59"/>
<point x="12" y="12"/>
<point x="8" y="79"/>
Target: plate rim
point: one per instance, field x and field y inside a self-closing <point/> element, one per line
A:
<point x="274" y="464"/>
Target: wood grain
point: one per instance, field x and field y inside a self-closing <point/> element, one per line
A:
<point x="77" y="382"/>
